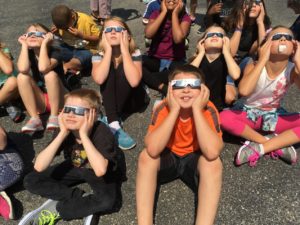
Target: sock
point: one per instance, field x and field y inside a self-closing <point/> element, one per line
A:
<point x="261" y="150"/>
<point x="114" y="126"/>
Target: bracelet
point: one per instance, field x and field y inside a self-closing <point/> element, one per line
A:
<point x="238" y="29"/>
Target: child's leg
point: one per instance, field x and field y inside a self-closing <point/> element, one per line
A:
<point x="146" y="183"/>
<point x="231" y="94"/>
<point x="104" y="8"/>
<point x="56" y="91"/>
<point x="94" y="6"/>
<point x="31" y="95"/>
<point x="209" y="190"/>
<point x="237" y="123"/>
<point x="9" y="90"/>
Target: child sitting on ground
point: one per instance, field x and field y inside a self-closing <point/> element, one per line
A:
<point x="263" y="86"/>
<point x="213" y="57"/>
<point x="80" y="35"/>
<point x="91" y="156"/>
<point x="183" y="141"/>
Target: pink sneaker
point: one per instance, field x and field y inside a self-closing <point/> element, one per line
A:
<point x="6" y="209"/>
<point x="33" y="125"/>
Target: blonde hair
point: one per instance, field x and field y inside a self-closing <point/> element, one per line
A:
<point x="132" y="45"/>
<point x="92" y="97"/>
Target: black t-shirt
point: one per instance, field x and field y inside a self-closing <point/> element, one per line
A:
<point x="53" y="53"/>
<point x="103" y="140"/>
<point x="296" y="28"/>
<point x="215" y="74"/>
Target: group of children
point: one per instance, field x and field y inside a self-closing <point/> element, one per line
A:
<point x="235" y="82"/>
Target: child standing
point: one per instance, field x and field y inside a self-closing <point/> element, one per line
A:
<point x="44" y="90"/>
<point x="213" y="57"/>
<point x="183" y="141"/>
<point x="11" y="170"/>
<point x="117" y="69"/>
<point x="263" y="86"/>
<point x="91" y="157"/>
<point x="80" y="34"/>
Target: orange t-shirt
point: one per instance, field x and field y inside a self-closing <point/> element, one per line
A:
<point x="183" y="139"/>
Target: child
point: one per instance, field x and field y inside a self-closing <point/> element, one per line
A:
<point x="213" y="57"/>
<point x="11" y="170"/>
<point x="168" y="28"/>
<point x="183" y="141"/>
<point x="101" y="9"/>
<point x="80" y="34"/>
<point x="117" y="69"/>
<point x="8" y="84"/>
<point x="91" y="157"/>
<point x="44" y="90"/>
<point x="263" y="86"/>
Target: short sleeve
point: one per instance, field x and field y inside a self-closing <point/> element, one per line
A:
<point x="55" y="54"/>
<point x="137" y="55"/>
<point x="158" y="116"/>
<point x="97" y="58"/>
<point x="213" y="119"/>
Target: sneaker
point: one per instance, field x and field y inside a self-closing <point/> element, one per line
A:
<point x="6" y="210"/>
<point x="45" y="214"/>
<point x="14" y="112"/>
<point x="124" y="140"/>
<point x="287" y="154"/>
<point x="91" y="220"/>
<point x="34" y="124"/>
<point x="52" y="123"/>
<point x="249" y="152"/>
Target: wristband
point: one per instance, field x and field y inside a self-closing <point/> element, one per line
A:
<point x="238" y="29"/>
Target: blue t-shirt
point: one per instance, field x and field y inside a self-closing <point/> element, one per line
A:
<point x="151" y="7"/>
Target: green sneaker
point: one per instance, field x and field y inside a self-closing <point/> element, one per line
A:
<point x="46" y="214"/>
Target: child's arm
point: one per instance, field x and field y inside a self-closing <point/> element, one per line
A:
<point x="81" y="35"/>
<point x="210" y="142"/>
<point x="45" y="157"/>
<point x="201" y="53"/>
<point x="157" y="140"/>
<point x="296" y="70"/>
<point x="96" y="159"/>
<point x="45" y="63"/>
<point x="237" y="34"/>
<point x="179" y="29"/>
<point x="3" y="139"/>
<point x="100" y="69"/>
<point x="154" y="24"/>
<point x="252" y="72"/>
<point x="23" y="61"/>
<point x="6" y="64"/>
<point x="261" y="25"/>
<point x="132" y="69"/>
<point x="233" y="69"/>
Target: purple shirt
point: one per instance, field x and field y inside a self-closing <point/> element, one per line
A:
<point x="162" y="45"/>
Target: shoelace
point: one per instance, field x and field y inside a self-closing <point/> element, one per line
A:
<point x="254" y="157"/>
<point x="48" y="218"/>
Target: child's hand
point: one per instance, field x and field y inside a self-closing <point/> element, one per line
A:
<point x="124" y="42"/>
<point x="215" y="9"/>
<point x="87" y="125"/>
<point x="171" y="101"/>
<point x="75" y="32"/>
<point x="241" y="19"/>
<point x="62" y="125"/>
<point x="48" y="38"/>
<point x="22" y="39"/>
<point x="53" y="29"/>
<point x="261" y="16"/>
<point x="178" y="8"/>
<point x="104" y="43"/>
<point x="264" y="51"/>
<point x="200" y="46"/>
<point x="226" y="45"/>
<point x="201" y="101"/>
<point x="163" y="6"/>
<point x="296" y="55"/>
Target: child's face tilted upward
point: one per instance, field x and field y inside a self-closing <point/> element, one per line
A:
<point x="32" y="40"/>
<point x="187" y="95"/>
<point x="113" y="32"/>
<point x="214" y="38"/>
<point x="73" y="112"/>
<point x="282" y="41"/>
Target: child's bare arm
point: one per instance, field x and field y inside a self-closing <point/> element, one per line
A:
<point x="157" y="140"/>
<point x="201" y="53"/>
<point x="6" y="64"/>
<point x="233" y="69"/>
<point x="45" y="63"/>
<point x="97" y="161"/>
<point x="23" y="61"/>
<point x="296" y="70"/>
<point x="210" y="142"/>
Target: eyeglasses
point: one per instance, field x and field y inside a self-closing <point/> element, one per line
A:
<point x="180" y="84"/>
<point x="211" y="34"/>
<point x="77" y="110"/>
<point x="256" y="2"/>
<point x="278" y="36"/>
<point x="116" y="29"/>
<point x="36" y="34"/>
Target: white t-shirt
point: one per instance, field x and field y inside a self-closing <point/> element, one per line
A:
<point x="268" y="92"/>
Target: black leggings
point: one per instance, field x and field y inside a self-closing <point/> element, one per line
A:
<point x="151" y="75"/>
<point x="115" y="93"/>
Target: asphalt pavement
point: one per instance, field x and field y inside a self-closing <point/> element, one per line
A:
<point x="265" y="195"/>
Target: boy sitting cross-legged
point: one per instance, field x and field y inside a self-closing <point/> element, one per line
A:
<point x="91" y="157"/>
<point x="184" y="141"/>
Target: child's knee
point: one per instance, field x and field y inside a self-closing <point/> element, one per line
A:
<point x="210" y="168"/>
<point x="146" y="161"/>
<point x="230" y="95"/>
